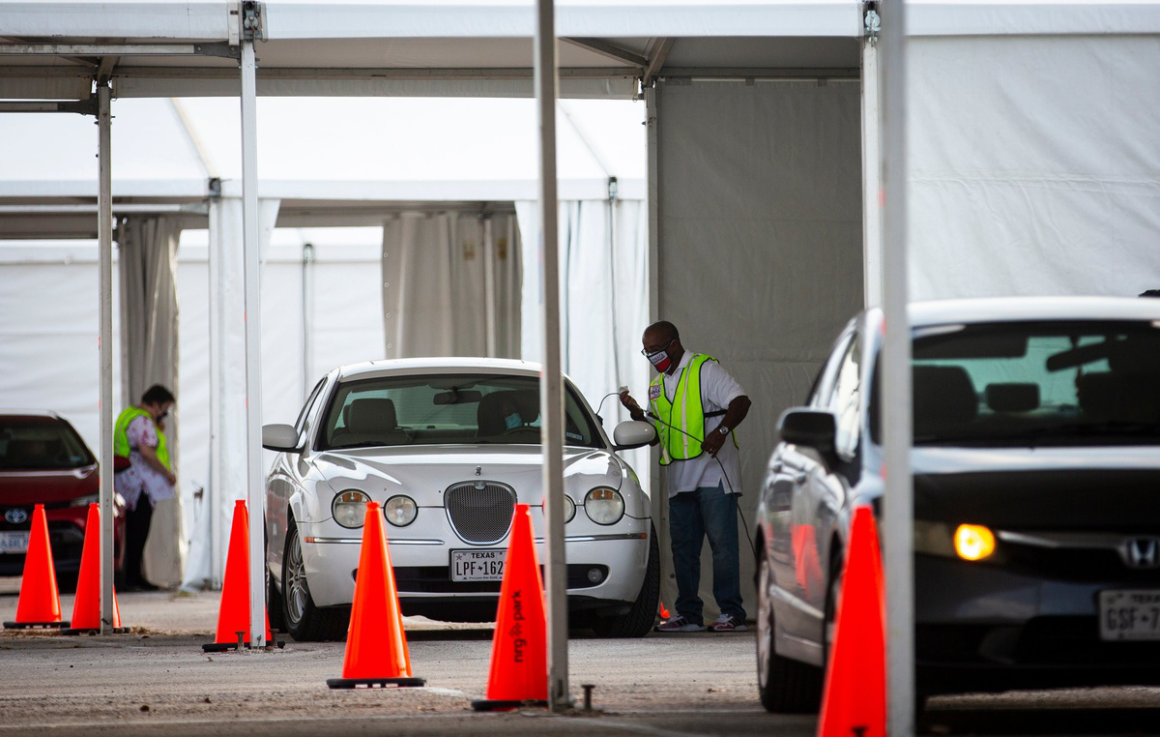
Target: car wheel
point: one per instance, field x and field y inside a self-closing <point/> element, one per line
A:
<point x="640" y="619"/>
<point x="303" y="620"/>
<point x="273" y="599"/>
<point x="786" y="686"/>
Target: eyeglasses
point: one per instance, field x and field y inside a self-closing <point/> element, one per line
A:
<point x="646" y="352"/>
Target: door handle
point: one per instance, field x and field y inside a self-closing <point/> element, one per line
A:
<point x="799" y="477"/>
<point x="775" y="466"/>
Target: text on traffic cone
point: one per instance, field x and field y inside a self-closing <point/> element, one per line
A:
<point x="854" y="698"/>
<point x="519" y="652"/>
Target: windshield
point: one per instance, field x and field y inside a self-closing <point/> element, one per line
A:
<point x="1042" y="383"/>
<point x="40" y="443"/>
<point x="446" y="409"/>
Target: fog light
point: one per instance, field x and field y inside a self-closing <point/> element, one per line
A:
<point x="595" y="575"/>
<point x="974" y="542"/>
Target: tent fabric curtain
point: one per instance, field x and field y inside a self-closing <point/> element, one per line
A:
<point x="225" y="423"/>
<point x="148" y="278"/>
<point x="1040" y="183"/>
<point x="450" y="285"/>
<point x="760" y="233"/>
<point x="604" y="295"/>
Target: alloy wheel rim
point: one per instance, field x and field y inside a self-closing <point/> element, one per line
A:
<point x="764" y="624"/>
<point x="296" y="590"/>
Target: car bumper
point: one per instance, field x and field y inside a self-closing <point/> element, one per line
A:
<point x="66" y="538"/>
<point x="984" y="628"/>
<point x="616" y="557"/>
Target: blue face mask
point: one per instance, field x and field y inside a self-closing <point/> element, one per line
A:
<point x="512" y="421"/>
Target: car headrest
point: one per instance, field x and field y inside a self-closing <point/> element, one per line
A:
<point x="1124" y="397"/>
<point x="371" y="416"/>
<point x="944" y="397"/>
<point x="496" y="406"/>
<point x="1012" y="397"/>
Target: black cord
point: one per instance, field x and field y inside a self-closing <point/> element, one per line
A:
<point x="724" y="474"/>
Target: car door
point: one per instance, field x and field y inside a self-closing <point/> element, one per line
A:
<point x="284" y="478"/>
<point x="798" y="483"/>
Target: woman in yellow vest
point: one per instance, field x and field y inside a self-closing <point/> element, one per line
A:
<point x="148" y="479"/>
<point x="696" y="405"/>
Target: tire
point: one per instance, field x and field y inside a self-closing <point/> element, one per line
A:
<point x="274" y="612"/>
<point x="303" y="620"/>
<point x="785" y="686"/>
<point x="642" y="616"/>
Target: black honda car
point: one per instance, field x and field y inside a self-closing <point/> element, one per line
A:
<point x="1036" y="477"/>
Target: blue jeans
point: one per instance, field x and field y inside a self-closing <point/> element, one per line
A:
<point x="693" y="516"/>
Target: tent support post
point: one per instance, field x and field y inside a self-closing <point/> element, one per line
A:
<point x="105" y="236"/>
<point x="871" y="176"/>
<point x="552" y="377"/>
<point x="250" y="234"/>
<point x="898" y="512"/>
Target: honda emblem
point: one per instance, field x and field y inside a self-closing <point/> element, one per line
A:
<point x="1141" y="552"/>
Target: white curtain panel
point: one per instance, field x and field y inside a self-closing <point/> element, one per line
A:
<point x="222" y="417"/>
<point x="1033" y="165"/>
<point x="148" y="271"/>
<point x="604" y="301"/>
<point x="449" y="285"/>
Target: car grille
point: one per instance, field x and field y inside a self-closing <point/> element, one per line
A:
<point x="480" y="511"/>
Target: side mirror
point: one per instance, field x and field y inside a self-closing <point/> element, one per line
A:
<point x="809" y="427"/>
<point x="282" y="438"/>
<point x="633" y="434"/>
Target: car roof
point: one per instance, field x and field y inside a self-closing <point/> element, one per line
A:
<point x="386" y="367"/>
<point x="1018" y="309"/>
<point x="17" y="414"/>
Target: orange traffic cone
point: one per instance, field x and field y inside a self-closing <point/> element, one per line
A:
<point x="233" y="628"/>
<point x="664" y="612"/>
<point x="519" y="651"/>
<point x="39" y="604"/>
<point x="86" y="615"/>
<point x="376" y="646"/>
<point x="854" y="699"/>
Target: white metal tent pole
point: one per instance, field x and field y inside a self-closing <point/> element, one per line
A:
<point x="551" y="377"/>
<point x="871" y="176"/>
<point x="489" y="285"/>
<point x="250" y="232"/>
<point x="105" y="236"/>
<point x="898" y="510"/>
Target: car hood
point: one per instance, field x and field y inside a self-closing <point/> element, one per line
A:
<point x="424" y="472"/>
<point x="48" y="487"/>
<point x="1049" y="489"/>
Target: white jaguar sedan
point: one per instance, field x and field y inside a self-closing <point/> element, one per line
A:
<point x="447" y="447"/>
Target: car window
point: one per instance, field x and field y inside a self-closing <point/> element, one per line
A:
<point x="1037" y="383"/>
<point x="822" y="390"/>
<point x="845" y="399"/>
<point x="302" y="424"/>
<point x="41" y="443"/>
<point x="447" y="409"/>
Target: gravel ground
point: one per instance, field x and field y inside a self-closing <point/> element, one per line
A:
<point x="156" y="680"/>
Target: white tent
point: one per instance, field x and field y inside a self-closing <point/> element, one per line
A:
<point x="1031" y="127"/>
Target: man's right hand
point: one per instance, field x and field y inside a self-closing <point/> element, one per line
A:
<point x="630" y="404"/>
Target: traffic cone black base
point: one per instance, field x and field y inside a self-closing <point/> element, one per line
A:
<point x="31" y="625"/>
<point x="501" y="705"/>
<point x="372" y="682"/>
<point x="92" y="631"/>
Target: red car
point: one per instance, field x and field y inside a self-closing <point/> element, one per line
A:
<point x="43" y="460"/>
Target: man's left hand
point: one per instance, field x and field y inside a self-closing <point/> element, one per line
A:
<point x="713" y="443"/>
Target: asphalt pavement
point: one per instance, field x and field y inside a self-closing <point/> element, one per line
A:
<point x="156" y="680"/>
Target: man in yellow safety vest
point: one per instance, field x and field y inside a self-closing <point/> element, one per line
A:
<point x="696" y="406"/>
<point x="148" y="479"/>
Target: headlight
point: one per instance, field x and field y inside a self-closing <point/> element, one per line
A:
<point x="400" y="511"/>
<point x="350" y="508"/>
<point x="569" y="509"/>
<point x="604" y="506"/>
<point x="969" y="542"/>
<point x="974" y="542"/>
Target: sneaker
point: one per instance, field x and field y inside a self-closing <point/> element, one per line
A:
<point x="728" y="623"/>
<point x="679" y="624"/>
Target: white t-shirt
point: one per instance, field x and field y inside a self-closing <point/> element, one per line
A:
<point x="718" y="389"/>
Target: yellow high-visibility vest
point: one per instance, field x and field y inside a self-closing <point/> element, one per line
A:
<point x="685" y="411"/>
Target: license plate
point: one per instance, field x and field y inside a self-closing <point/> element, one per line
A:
<point x="477" y="565"/>
<point x="13" y="542"/>
<point x="1130" y="614"/>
